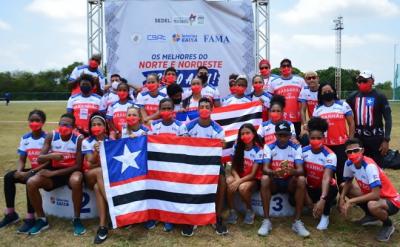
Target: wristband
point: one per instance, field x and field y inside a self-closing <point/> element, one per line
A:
<point x="323" y="198"/>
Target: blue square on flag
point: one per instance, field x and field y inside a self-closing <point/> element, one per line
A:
<point x="370" y="101"/>
<point x="126" y="159"/>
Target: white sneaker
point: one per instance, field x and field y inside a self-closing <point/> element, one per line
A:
<point x="323" y="223"/>
<point x="298" y="227"/>
<point x="266" y="226"/>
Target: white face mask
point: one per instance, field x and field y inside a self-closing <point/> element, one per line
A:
<point x="114" y="85"/>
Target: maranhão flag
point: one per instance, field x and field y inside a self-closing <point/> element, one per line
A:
<point x="161" y="177"/>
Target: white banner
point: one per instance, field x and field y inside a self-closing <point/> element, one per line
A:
<point x="148" y="36"/>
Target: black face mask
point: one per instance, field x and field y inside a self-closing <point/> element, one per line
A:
<point x="328" y="96"/>
<point x="85" y="89"/>
<point x="203" y="77"/>
<point x="177" y="101"/>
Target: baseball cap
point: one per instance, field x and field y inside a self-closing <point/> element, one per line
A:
<point x="366" y="74"/>
<point x="283" y="127"/>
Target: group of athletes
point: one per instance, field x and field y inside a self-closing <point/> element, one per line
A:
<point x="310" y="145"/>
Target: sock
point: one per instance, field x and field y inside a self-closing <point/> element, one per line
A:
<point x="10" y="210"/>
<point x="30" y="216"/>
<point x="387" y="222"/>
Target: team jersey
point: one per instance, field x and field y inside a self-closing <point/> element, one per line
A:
<point x="310" y="98"/>
<point x="185" y="94"/>
<point x="234" y="100"/>
<point x="150" y="103"/>
<point x="209" y="92"/>
<point x="191" y="104"/>
<point x="290" y="89"/>
<point x="30" y="147"/>
<point x="109" y="99"/>
<point x="141" y="131"/>
<point x="265" y="97"/>
<point x="267" y="131"/>
<point x="175" y="128"/>
<point x="315" y="164"/>
<point x="84" y="69"/>
<point x="370" y="176"/>
<point x="88" y="148"/>
<point x="67" y="148"/>
<point x="336" y="116"/>
<point x="194" y="129"/>
<point x="117" y="113"/>
<point x="268" y="79"/>
<point x="274" y="155"/>
<point x="83" y="107"/>
<point x="251" y="157"/>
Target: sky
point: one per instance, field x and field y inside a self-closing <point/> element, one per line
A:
<point x="37" y="35"/>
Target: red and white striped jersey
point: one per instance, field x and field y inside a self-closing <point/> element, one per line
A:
<point x="117" y="112"/>
<point x="310" y="98"/>
<point x="83" y="107"/>
<point x="31" y="147"/>
<point x="67" y="148"/>
<point x="336" y="116"/>
<point x="149" y="102"/>
<point x="251" y="157"/>
<point x="267" y="131"/>
<point x="234" y="100"/>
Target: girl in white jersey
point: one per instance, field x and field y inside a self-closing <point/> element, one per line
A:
<point x="191" y="104"/>
<point x="133" y="127"/>
<point x="30" y="146"/>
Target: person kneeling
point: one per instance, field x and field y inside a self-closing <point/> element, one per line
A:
<point x="63" y="149"/>
<point x="247" y="159"/>
<point x="375" y="193"/>
<point x="283" y="172"/>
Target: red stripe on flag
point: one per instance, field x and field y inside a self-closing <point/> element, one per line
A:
<point x="185" y="141"/>
<point x="234" y="132"/>
<point x="127" y="181"/>
<point x="236" y="107"/>
<point x="165" y="216"/>
<point x="182" y="177"/>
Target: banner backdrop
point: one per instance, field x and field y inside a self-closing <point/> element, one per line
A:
<point x="148" y="36"/>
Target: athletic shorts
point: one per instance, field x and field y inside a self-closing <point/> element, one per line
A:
<point x="281" y="184"/>
<point x="392" y="209"/>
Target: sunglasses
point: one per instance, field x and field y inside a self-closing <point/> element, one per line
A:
<point x="285" y="65"/>
<point x="354" y="150"/>
<point x="264" y="68"/>
<point x="311" y="77"/>
<point x="362" y="80"/>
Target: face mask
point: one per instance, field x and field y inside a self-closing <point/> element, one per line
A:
<point x="97" y="130"/>
<point x="328" y="96"/>
<point x="258" y="87"/>
<point x="169" y="79"/>
<point x="204" y="113"/>
<point x="240" y="90"/>
<point x="166" y="115"/>
<point x="233" y="89"/>
<point x="34" y="126"/>
<point x="85" y="89"/>
<point x="122" y="95"/>
<point x="247" y="138"/>
<point x="264" y="72"/>
<point x="365" y="87"/>
<point x="276" y="116"/>
<point x="177" y="101"/>
<point x="196" y="89"/>
<point x="316" y="144"/>
<point x="114" y="85"/>
<point x="355" y="157"/>
<point x="64" y="130"/>
<point x="93" y="64"/>
<point x="286" y="71"/>
<point x="132" y="120"/>
<point x="152" y="86"/>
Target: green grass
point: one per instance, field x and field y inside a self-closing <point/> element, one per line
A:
<point x="341" y="232"/>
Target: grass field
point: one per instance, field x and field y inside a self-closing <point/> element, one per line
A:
<point x="341" y="232"/>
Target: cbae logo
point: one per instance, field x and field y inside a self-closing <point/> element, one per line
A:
<point x="156" y="37"/>
<point x="184" y="38"/>
<point x="223" y="39"/>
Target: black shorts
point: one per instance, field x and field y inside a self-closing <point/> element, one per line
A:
<point x="392" y="209"/>
<point x="60" y="181"/>
<point x="281" y="184"/>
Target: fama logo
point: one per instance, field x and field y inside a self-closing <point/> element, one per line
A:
<point x="223" y="39"/>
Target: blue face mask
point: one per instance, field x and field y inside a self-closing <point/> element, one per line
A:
<point x="85" y="89"/>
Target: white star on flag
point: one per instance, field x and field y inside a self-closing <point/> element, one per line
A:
<point x="369" y="101"/>
<point x="128" y="159"/>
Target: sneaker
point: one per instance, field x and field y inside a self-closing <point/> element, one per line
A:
<point x="168" y="227"/>
<point x="368" y="220"/>
<point x="298" y="227"/>
<point x="9" y="219"/>
<point x="188" y="230"/>
<point x="101" y="235"/>
<point x="79" y="229"/>
<point x="150" y="224"/>
<point x="249" y="217"/>
<point x="265" y="228"/>
<point x="385" y="233"/>
<point x="40" y="225"/>
<point x="232" y="217"/>
<point x="323" y="223"/>
<point x="220" y="227"/>
<point x="28" y="224"/>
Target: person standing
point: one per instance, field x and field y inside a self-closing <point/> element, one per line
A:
<point x="370" y="107"/>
